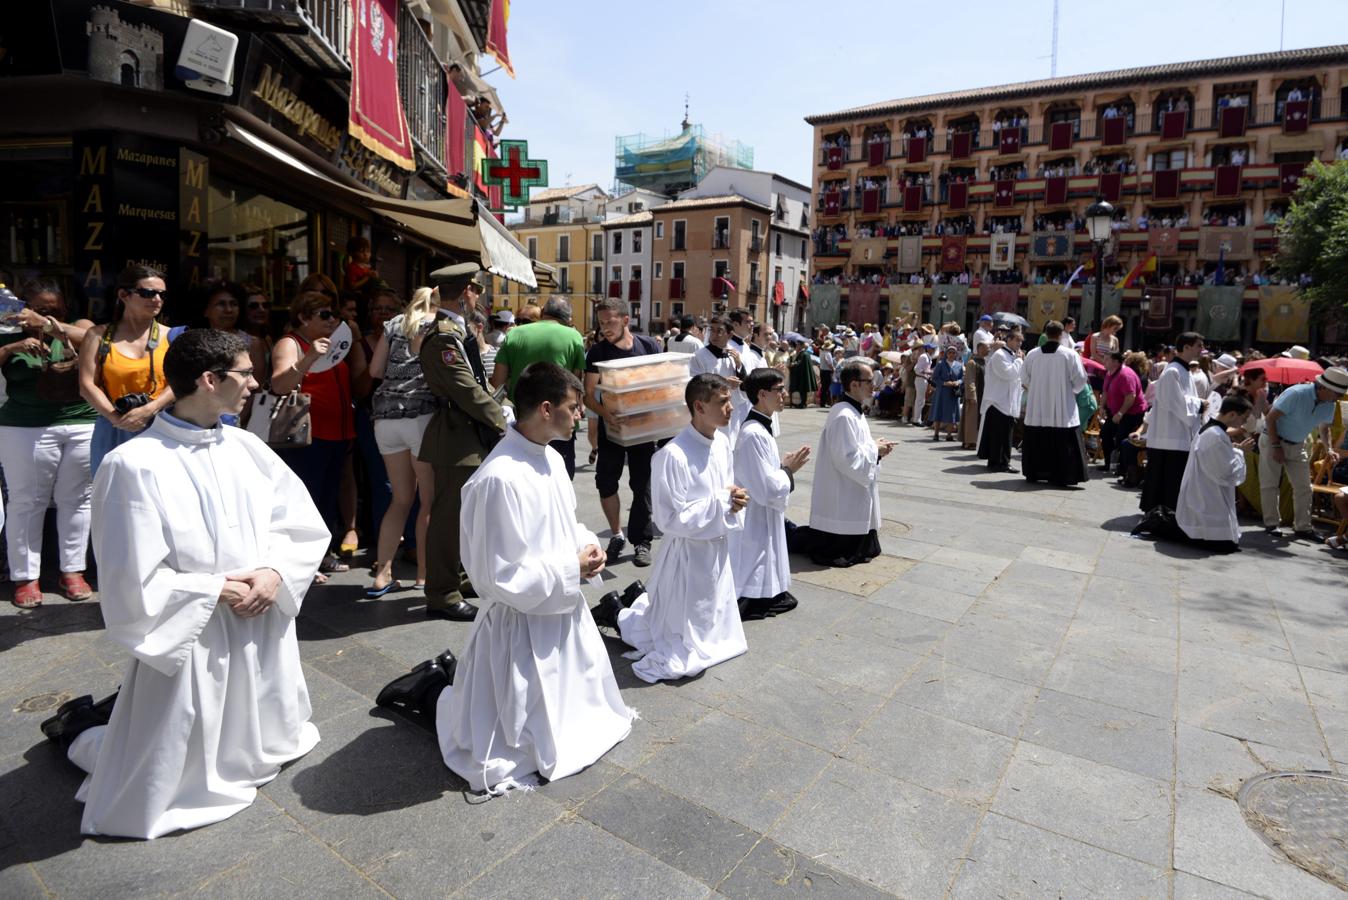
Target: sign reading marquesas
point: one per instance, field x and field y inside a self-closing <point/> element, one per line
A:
<point x="377" y="118"/>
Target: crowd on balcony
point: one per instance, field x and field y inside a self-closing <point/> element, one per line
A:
<point x="842" y="140"/>
<point x="1002" y="224"/>
<point x="1010" y="121"/>
<point x="1059" y="222"/>
<point x="1116" y="111"/>
<point x="1228" y="216"/>
<point x="1168" y="220"/>
<point x="826" y="238"/>
<point x="1233" y="99"/>
<point x="1105" y="164"/>
<point x="971" y="128"/>
<point x="917" y="130"/>
<point x="1057" y="170"/>
<point x="1014" y="170"/>
<point x="955" y="226"/>
<point x="1230" y="156"/>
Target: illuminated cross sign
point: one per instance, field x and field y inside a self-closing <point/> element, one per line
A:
<point x="515" y="172"/>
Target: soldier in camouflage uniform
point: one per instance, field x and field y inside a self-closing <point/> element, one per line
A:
<point x="462" y="432"/>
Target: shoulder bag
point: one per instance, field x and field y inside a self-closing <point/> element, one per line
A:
<point x="58" y="381"/>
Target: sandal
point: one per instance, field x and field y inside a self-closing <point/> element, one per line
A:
<point x="594" y="454"/>
<point x="374" y="593"/>
<point x="1337" y="543"/>
<point x="73" y="586"/>
<point x="320" y="578"/>
<point x="332" y="563"/>
<point x="27" y="595"/>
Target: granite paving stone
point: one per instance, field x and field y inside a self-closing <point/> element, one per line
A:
<point x="990" y="702"/>
<point x="1103" y="733"/>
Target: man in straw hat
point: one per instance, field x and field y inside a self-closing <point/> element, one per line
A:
<point x="1297" y="412"/>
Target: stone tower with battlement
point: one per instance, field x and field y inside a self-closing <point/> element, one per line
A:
<point x="119" y="53"/>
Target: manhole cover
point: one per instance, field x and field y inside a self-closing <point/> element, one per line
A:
<point x="43" y="702"/>
<point x="1305" y="816"/>
<point x="898" y="529"/>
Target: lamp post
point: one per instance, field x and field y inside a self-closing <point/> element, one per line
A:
<point x="1099" y="220"/>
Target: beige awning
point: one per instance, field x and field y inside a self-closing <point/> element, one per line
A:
<point x="460" y="225"/>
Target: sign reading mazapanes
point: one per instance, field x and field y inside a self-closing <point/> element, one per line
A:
<point x="308" y="123"/>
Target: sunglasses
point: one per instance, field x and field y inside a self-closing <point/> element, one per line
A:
<point x="257" y="304"/>
<point x="326" y="314"/>
<point x="148" y="293"/>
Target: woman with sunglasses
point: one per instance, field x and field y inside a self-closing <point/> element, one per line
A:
<point x="313" y="318"/>
<point x="122" y="363"/>
<point x="44" y="447"/>
<point x="257" y="325"/>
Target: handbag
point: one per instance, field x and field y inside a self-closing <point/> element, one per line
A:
<point x="282" y="422"/>
<point x="58" y="381"/>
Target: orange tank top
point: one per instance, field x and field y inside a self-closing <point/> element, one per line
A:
<point x="122" y="374"/>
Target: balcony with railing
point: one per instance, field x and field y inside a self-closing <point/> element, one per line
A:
<point x="720" y="240"/>
<point x="755" y="244"/>
<point x="754" y="288"/>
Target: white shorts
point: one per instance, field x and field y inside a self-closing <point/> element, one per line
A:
<point x="396" y="435"/>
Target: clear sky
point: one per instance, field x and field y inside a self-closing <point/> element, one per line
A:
<point x="589" y="70"/>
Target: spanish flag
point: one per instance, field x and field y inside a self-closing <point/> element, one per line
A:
<point x="1147" y="265"/>
<point x="498" y="21"/>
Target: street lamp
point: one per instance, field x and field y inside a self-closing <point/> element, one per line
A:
<point x="1099" y="221"/>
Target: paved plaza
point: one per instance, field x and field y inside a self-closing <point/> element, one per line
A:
<point x="1017" y="700"/>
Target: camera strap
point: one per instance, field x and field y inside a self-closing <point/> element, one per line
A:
<point x="105" y="347"/>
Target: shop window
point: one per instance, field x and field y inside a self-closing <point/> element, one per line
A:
<point x="258" y="239"/>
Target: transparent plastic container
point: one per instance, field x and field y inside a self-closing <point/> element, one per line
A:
<point x="646" y="397"/>
<point x="650" y="425"/>
<point x="620" y="375"/>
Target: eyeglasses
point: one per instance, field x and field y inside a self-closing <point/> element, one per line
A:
<point x="246" y="373"/>
<point x="326" y="314"/>
<point x="148" y="293"/>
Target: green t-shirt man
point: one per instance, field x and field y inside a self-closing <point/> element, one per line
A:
<point x="546" y="340"/>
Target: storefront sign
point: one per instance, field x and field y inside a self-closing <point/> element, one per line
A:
<point x="309" y="112"/>
<point x="193" y="209"/>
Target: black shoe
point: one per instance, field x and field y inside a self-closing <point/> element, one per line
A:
<point x="463" y="611"/>
<point x="630" y="595"/>
<point x="1312" y="536"/>
<point x="103" y="708"/>
<point x="73" y="718"/>
<point x="754" y="608"/>
<point x="415" y="691"/>
<point x="642" y="554"/>
<point x="782" y="603"/>
<point x="449" y="663"/>
<point x="615" y="548"/>
<point x="606" y="613"/>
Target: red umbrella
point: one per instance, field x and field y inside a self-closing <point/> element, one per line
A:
<point x="1093" y="367"/>
<point x="1285" y="370"/>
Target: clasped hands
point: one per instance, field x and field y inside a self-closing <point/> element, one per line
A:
<point x="250" y="593"/>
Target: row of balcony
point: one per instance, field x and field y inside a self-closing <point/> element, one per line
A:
<point x="1189" y="239"/>
<point x="1165" y="184"/>
<point x="1228" y="121"/>
<point x="635" y="288"/>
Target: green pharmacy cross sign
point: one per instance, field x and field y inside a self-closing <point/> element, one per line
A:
<point x="515" y="172"/>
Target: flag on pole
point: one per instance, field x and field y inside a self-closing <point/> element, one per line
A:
<point x="1147" y="265"/>
<point x="496" y="34"/>
<point x="1081" y="268"/>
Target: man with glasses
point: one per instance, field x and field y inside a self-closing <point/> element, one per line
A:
<point x="207" y="543"/>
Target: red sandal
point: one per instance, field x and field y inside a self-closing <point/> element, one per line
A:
<point x="27" y="595"/>
<point x="73" y="586"/>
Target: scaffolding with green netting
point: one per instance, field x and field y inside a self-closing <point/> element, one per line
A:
<point x="675" y="163"/>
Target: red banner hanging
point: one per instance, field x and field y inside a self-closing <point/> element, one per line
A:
<point x="995" y="298"/>
<point x="1114" y="129"/>
<point x="875" y="152"/>
<point x="863" y="304"/>
<point x="917" y="149"/>
<point x="1010" y="142"/>
<point x="1160" y="307"/>
<point x="1296" y="116"/>
<point x="456" y="131"/>
<point x="959" y="195"/>
<point x="1004" y="193"/>
<point x="1111" y="186"/>
<point x="961" y="144"/>
<point x="912" y="198"/>
<point x="870" y="201"/>
<point x="496" y="34"/>
<point x="1165" y="184"/>
<point x="952" y="253"/>
<point x="778" y="293"/>
<point x="1289" y="177"/>
<point x="1060" y="136"/>
<point x="1228" y="181"/>
<point x="832" y="203"/>
<point x="376" y="110"/>
<point x="1232" y="122"/>
<point x="1055" y="190"/>
<point x="1172" y="124"/>
<point x="1163" y="241"/>
<point x="834" y="158"/>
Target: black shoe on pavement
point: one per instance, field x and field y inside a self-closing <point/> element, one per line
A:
<point x="73" y="718"/>
<point x="615" y="548"/>
<point x="606" y="612"/>
<point x="642" y="554"/>
<point x="1312" y="536"/>
<point x="782" y="603"/>
<point x="417" y="692"/>
<point x="632" y="592"/>
<point x="463" y="611"/>
<point x="449" y="663"/>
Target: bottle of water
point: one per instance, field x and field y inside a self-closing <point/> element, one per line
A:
<point x="9" y="310"/>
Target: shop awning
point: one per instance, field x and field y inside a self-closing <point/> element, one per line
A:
<point x="460" y="225"/>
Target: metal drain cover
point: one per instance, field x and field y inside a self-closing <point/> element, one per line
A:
<point x="43" y="702"/>
<point x="1304" y="815"/>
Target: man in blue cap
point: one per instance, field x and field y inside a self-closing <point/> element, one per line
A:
<point x="983" y="333"/>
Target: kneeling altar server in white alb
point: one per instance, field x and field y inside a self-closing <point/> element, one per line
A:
<point x="844" y="524"/>
<point x="534" y="694"/>
<point x="1215" y="469"/>
<point x="758" y="554"/>
<point x="206" y="543"/>
<point x="687" y="620"/>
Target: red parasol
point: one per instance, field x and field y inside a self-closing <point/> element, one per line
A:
<point x="1092" y="367"/>
<point x="1285" y="370"/>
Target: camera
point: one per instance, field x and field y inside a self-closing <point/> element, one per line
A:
<point x="128" y="402"/>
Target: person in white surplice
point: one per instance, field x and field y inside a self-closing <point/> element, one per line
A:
<point x="687" y="620"/>
<point x="1215" y="468"/>
<point x="719" y="357"/>
<point x="844" y="524"/>
<point x="206" y="544"/>
<point x="1052" y="449"/>
<point x="534" y="695"/>
<point x="758" y="553"/>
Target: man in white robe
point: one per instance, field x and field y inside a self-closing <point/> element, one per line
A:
<point x="1052" y="449"/>
<point x="206" y="543"/>
<point x="1215" y="468"/>
<point x="1172" y="424"/>
<point x="758" y="552"/>
<point x="1003" y="392"/>
<point x="534" y="694"/>
<point x="719" y="357"/>
<point x="845" y="497"/>
<point x="687" y="620"/>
